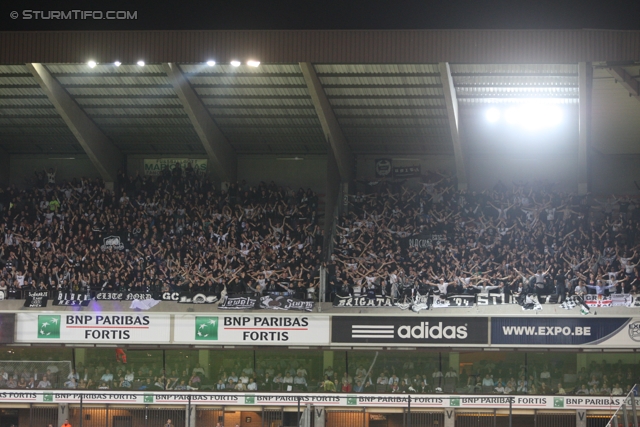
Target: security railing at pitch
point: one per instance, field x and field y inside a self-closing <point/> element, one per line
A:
<point x="627" y="413"/>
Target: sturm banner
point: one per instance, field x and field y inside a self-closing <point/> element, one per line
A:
<point x="285" y="303"/>
<point x="252" y="329"/>
<point x="547" y="331"/>
<point x="92" y="327"/>
<point x="409" y="330"/>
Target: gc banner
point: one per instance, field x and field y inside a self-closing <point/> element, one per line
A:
<point x="546" y="331"/>
<point x="410" y="330"/>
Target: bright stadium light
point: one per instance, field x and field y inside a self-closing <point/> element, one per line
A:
<point x="92" y="64"/>
<point x="140" y="63"/>
<point x="533" y="115"/>
<point x="117" y="63"/>
<point x="235" y="63"/>
<point x="493" y="115"/>
<point x="253" y="63"/>
<point x="211" y="63"/>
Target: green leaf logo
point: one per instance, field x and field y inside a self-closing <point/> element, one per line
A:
<point x="206" y="328"/>
<point x="148" y="398"/>
<point x="352" y="400"/>
<point x="558" y="402"/>
<point x="454" y="401"/>
<point x="47" y="397"/>
<point x="48" y="326"/>
<point x="249" y="399"/>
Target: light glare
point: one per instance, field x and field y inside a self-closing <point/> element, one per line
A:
<point x="117" y="63"/>
<point x="493" y="115"/>
<point x="211" y="63"/>
<point x="253" y="63"/>
<point x="141" y="63"/>
<point x="531" y="116"/>
<point x="92" y="64"/>
<point x="235" y="63"/>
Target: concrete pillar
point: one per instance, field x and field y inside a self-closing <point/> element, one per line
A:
<point x="79" y="355"/>
<point x="449" y="417"/>
<point x="454" y="361"/>
<point x="585" y="76"/>
<point x="320" y="416"/>
<point x="581" y="418"/>
<point x="63" y="413"/>
<point x="190" y="416"/>
<point x="5" y="163"/>
<point x="581" y="361"/>
<point x="327" y="360"/>
<point x="203" y="360"/>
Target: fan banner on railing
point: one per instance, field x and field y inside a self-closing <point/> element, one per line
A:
<point x="239" y="302"/>
<point x="36" y="299"/>
<point x="363" y="301"/>
<point x="268" y="302"/>
<point x="71" y="298"/>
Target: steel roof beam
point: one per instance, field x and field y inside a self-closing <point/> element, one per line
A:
<point x="626" y="80"/>
<point x="104" y="155"/>
<point x="220" y="152"/>
<point x="452" y="111"/>
<point x="585" y="75"/>
<point x="332" y="131"/>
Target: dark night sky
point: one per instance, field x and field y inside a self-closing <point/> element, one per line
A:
<point x="336" y="14"/>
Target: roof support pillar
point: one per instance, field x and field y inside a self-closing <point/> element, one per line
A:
<point x="451" y="101"/>
<point x="625" y="79"/>
<point x="221" y="153"/>
<point x="332" y="132"/>
<point x="105" y="156"/>
<point x="585" y="75"/>
<point x="5" y="167"/>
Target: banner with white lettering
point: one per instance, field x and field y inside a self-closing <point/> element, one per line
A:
<point x="494" y="299"/>
<point x="407" y="171"/>
<point x="36" y="299"/>
<point x="154" y="167"/>
<point x="70" y="298"/>
<point x="251" y="329"/>
<point x="238" y="302"/>
<point x="362" y="301"/>
<point x="548" y="331"/>
<point x="613" y="300"/>
<point x="124" y="296"/>
<point x="422" y="242"/>
<point x="269" y="302"/>
<point x="189" y="298"/>
<point x="453" y="301"/>
<point x="90" y="327"/>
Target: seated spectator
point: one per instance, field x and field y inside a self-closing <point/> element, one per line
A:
<point x="617" y="390"/>
<point x="328" y="385"/>
<point x="103" y="386"/>
<point x="560" y="390"/>
<point x="300" y="381"/>
<point x="359" y="387"/>
<point x="44" y="382"/>
<point x="252" y="385"/>
<point x="71" y="383"/>
<point x="583" y="390"/>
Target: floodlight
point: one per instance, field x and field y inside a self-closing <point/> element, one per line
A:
<point x="253" y="63"/>
<point x="117" y="63"/>
<point x="141" y="63"/>
<point x="211" y="63"/>
<point x="235" y="63"/>
<point x="92" y="64"/>
<point x="493" y="115"/>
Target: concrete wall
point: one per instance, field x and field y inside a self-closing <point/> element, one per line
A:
<point x="614" y="173"/>
<point x="68" y="167"/>
<point x="311" y="172"/>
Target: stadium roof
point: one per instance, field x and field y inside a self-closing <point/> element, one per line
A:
<point x="386" y="89"/>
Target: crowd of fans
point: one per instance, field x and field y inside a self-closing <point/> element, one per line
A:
<point x="522" y="238"/>
<point x="385" y="375"/>
<point x="178" y="233"/>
